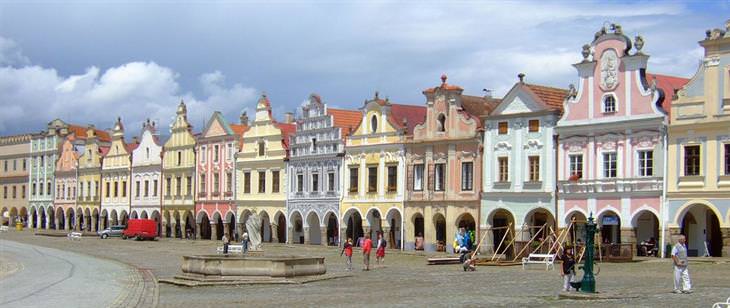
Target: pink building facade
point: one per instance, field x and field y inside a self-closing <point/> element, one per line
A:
<point x="215" y="207"/>
<point x="611" y="144"/>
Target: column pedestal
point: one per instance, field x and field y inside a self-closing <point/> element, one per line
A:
<point x="197" y="230"/>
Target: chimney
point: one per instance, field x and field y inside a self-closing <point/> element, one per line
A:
<point x="521" y="76"/>
<point x="244" y="118"/>
<point x="135" y="139"/>
<point x="289" y="117"/>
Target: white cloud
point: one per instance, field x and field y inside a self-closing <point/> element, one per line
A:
<point x="31" y="96"/>
<point x="10" y="53"/>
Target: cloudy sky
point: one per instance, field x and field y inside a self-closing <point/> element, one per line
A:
<point x="87" y="63"/>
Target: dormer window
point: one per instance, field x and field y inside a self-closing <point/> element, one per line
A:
<point x="374" y="124"/>
<point x="441" y="123"/>
<point x="609" y="104"/>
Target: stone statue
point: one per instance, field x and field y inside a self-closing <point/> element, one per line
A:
<point x="253" y="227"/>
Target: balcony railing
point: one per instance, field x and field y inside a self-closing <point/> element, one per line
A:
<point x="610" y="185"/>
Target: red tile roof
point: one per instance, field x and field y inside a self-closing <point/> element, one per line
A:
<point x="346" y="120"/>
<point x="444" y="86"/>
<point x="239" y="129"/>
<point x="80" y="133"/>
<point x="551" y="98"/>
<point x="104" y="150"/>
<point x="478" y="106"/>
<point x="131" y="146"/>
<point x="411" y="113"/>
<point x="668" y="85"/>
<point x="287" y="129"/>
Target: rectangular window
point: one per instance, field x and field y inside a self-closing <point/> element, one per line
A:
<point x="124" y="189"/>
<point x="646" y="163"/>
<point x="15" y="166"/>
<point x="216" y="182"/>
<point x="136" y="189"/>
<point x="229" y="182"/>
<point x="372" y="179"/>
<point x="247" y="182"/>
<point x="25" y="164"/>
<point x="203" y="154"/>
<point x="439" y="174"/>
<point x="609" y="165"/>
<point x="188" y="185"/>
<point x="179" y="158"/>
<point x="178" y="186"/>
<point x="22" y="191"/>
<point x="534" y="162"/>
<point x="154" y="188"/>
<point x="262" y="182"/>
<point x="15" y="192"/>
<point x="216" y="153"/>
<point x="48" y="188"/>
<point x="503" y="169"/>
<point x="533" y="126"/>
<point x="300" y="182"/>
<point x="331" y="181"/>
<point x="96" y="188"/>
<point x="353" y="179"/>
<point x="692" y="160"/>
<point x="32" y="189"/>
<point x="576" y="166"/>
<point x="107" y="189"/>
<point x="392" y="178"/>
<point x="418" y="177"/>
<point x="503" y="128"/>
<point x="116" y="189"/>
<point x="315" y="182"/>
<point x="202" y="183"/>
<point x="168" y="186"/>
<point x="467" y="176"/>
<point x="727" y="159"/>
<point x="261" y="148"/>
<point x="275" y="181"/>
<point x="229" y="155"/>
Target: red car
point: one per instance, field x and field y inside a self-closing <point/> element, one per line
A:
<point x="140" y="229"/>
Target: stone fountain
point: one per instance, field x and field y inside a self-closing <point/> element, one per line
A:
<point x="256" y="268"/>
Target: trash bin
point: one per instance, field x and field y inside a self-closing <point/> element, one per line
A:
<point x="18" y="226"/>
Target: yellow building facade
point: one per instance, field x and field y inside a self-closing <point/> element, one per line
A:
<point x="698" y="183"/>
<point x="89" y="175"/>
<point x="115" y="182"/>
<point x="374" y="172"/>
<point x="261" y="177"/>
<point x="178" y="173"/>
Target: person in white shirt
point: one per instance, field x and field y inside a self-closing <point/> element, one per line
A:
<point x="682" y="283"/>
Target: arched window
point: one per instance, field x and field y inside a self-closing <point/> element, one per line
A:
<point x="374" y="124"/>
<point x="609" y="104"/>
<point x="441" y="125"/>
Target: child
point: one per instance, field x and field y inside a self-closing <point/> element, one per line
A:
<point x="567" y="271"/>
<point x="347" y="250"/>
<point x="380" y="252"/>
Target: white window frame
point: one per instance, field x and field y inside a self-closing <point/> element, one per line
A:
<point x="614" y="154"/>
<point x="615" y="103"/>
<point x="418" y="178"/>
<point x="641" y="166"/>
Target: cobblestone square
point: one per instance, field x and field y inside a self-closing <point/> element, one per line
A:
<point x="405" y="280"/>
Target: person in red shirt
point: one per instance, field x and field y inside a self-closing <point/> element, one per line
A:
<point x="367" y="246"/>
<point x="347" y="250"/>
<point x="380" y="250"/>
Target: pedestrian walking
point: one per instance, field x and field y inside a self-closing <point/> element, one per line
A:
<point x="225" y="243"/>
<point x="380" y="251"/>
<point x="244" y="241"/>
<point x="347" y="250"/>
<point x="567" y="271"/>
<point x="367" y="246"/>
<point x="682" y="283"/>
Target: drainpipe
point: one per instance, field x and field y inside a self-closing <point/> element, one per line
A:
<point x="160" y="193"/>
<point x="555" y="177"/>
<point x="663" y="203"/>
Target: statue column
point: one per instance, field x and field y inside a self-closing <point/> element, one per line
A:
<point x="306" y="236"/>
<point x="213" y="231"/>
<point x="323" y="236"/>
<point x="274" y="233"/>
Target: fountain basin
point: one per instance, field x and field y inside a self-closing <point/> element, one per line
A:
<point x="257" y="266"/>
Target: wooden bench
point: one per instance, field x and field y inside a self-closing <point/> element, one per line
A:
<point x="231" y="249"/>
<point x="3" y="228"/>
<point x="74" y="236"/>
<point x="534" y="258"/>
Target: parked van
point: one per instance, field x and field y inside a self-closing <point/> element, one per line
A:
<point x="140" y="229"/>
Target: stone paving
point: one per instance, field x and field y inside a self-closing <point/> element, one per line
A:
<point x="405" y="280"/>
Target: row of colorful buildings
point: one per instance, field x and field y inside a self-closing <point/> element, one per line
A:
<point x="648" y="155"/>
